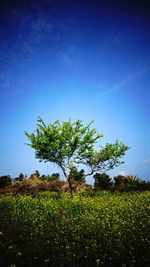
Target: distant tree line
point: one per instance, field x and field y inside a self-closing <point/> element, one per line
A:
<point x="102" y="181"/>
<point x="120" y="183"/>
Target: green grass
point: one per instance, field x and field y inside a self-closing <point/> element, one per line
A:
<point x="110" y="229"/>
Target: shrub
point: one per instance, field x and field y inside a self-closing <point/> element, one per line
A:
<point x="130" y="183"/>
<point x="53" y="177"/>
<point x="5" y="180"/>
<point x="102" y="181"/>
<point x="20" y="177"/>
<point x="55" y="186"/>
<point x="32" y="186"/>
<point x="76" y="175"/>
<point x="143" y="186"/>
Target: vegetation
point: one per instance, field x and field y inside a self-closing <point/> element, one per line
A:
<point x="102" y="181"/>
<point x="130" y="183"/>
<point x="35" y="183"/>
<point x="42" y="226"/>
<point x="76" y="175"/>
<point x="70" y="144"/>
<point x="5" y="180"/>
<point x="53" y="177"/>
<point x="110" y="229"/>
<point x="20" y="177"/>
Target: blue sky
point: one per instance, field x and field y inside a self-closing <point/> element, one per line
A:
<point x="75" y="59"/>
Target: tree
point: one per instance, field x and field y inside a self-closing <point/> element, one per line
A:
<point x="53" y="177"/>
<point x="21" y="177"/>
<point x="70" y="144"/>
<point x="127" y="183"/>
<point x="77" y="175"/>
<point x="5" y="180"/>
<point x="37" y="173"/>
<point x="102" y="181"/>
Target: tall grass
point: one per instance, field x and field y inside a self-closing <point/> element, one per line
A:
<point x="45" y="230"/>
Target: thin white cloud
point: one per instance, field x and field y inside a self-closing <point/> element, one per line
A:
<point x="131" y="77"/>
<point x="126" y="81"/>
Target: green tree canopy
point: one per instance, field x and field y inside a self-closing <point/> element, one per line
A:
<point x="5" y="180"/>
<point x="77" y="175"/>
<point x="102" y="181"/>
<point x="69" y="144"/>
<point x="52" y="177"/>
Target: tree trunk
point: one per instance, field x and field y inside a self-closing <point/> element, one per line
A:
<point x="70" y="187"/>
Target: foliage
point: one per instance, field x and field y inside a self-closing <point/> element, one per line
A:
<point x="132" y="177"/>
<point x="20" y="177"/>
<point x="53" y="177"/>
<point x="77" y="175"/>
<point x="32" y="186"/>
<point x="107" y="230"/>
<point x="119" y="182"/>
<point x="54" y="185"/>
<point x="37" y="173"/>
<point x="143" y="186"/>
<point x="128" y="183"/>
<point x="5" y="180"/>
<point x="102" y="181"/>
<point x="33" y="179"/>
<point x="119" y="179"/>
<point x="70" y="144"/>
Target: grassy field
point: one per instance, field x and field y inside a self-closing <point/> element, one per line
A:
<point x="110" y="229"/>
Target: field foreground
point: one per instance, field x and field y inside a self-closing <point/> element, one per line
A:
<point x="111" y="229"/>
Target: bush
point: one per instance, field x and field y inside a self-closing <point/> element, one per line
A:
<point x="53" y="177"/>
<point x="5" y="180"/>
<point x="130" y="183"/>
<point x="32" y="186"/>
<point x="20" y="177"/>
<point x="76" y="175"/>
<point x="102" y="181"/>
<point x="144" y="186"/>
<point x="55" y="186"/>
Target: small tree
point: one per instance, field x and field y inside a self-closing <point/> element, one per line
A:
<point x="5" y="180"/>
<point x="37" y="173"/>
<point x="48" y="178"/>
<point x="127" y="183"/>
<point x="77" y="175"/>
<point x="55" y="176"/>
<point x="70" y="144"/>
<point x="102" y="181"/>
<point x="21" y="177"/>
